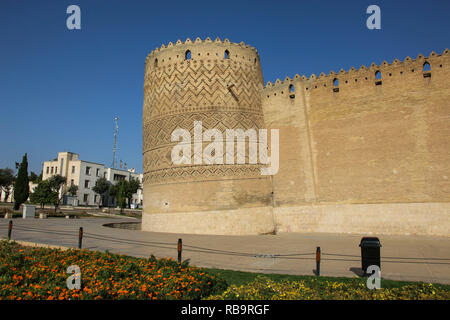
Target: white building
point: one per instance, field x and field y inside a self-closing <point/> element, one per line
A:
<point x="31" y="187"/>
<point x="84" y="174"/>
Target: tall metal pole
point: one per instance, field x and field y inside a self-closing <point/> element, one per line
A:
<point x="116" y="130"/>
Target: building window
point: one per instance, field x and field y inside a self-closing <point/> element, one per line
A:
<point x="104" y="175"/>
<point x="227" y="54"/>
<point x="86" y="184"/>
<point x="73" y="169"/>
<point x="85" y="198"/>
<point x="72" y="182"/>
<point x="95" y="199"/>
<point x="56" y="170"/>
<point x="118" y="177"/>
<point x="88" y="171"/>
<point x="188" y="55"/>
<point x="48" y="169"/>
<point x="98" y="173"/>
<point x="51" y="170"/>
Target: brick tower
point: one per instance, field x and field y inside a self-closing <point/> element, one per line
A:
<point x="218" y="83"/>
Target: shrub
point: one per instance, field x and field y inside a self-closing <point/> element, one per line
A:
<point x="262" y="288"/>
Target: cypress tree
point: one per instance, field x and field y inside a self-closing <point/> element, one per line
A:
<point x="21" y="189"/>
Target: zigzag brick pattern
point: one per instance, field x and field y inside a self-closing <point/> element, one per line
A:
<point x="223" y="93"/>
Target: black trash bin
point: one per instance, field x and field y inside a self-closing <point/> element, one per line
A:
<point x="370" y="252"/>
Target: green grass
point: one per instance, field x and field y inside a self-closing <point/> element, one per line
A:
<point x="239" y="278"/>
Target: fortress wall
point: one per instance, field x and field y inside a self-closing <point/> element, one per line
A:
<point x="286" y="111"/>
<point x="365" y="156"/>
<point x="368" y="143"/>
<point x="383" y="143"/>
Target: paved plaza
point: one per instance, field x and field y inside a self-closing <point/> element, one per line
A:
<point x="414" y="258"/>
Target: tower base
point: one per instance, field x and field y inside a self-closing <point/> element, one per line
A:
<point x="245" y="221"/>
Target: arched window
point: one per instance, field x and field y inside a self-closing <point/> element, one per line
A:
<point x="335" y="85"/>
<point x="187" y="56"/>
<point x="291" y="91"/>
<point x="426" y="70"/>
<point x="156" y="63"/>
<point x="378" y="78"/>
<point x="336" y="82"/>
<point x="227" y="54"/>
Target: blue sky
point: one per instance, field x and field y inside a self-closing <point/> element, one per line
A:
<point x="60" y="89"/>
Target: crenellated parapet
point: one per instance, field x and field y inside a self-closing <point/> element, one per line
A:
<point x="202" y="50"/>
<point x="372" y="75"/>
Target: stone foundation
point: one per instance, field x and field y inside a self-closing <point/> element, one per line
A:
<point x="431" y="219"/>
<point x="248" y="221"/>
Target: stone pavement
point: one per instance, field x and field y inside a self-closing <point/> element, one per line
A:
<point x="415" y="258"/>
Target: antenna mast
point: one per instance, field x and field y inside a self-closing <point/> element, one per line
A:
<point x="116" y="130"/>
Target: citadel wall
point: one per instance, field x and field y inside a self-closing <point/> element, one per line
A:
<point x="358" y="153"/>
<point x="364" y="141"/>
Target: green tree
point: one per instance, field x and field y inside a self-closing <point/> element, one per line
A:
<point x="43" y="194"/>
<point x="21" y="188"/>
<point x="101" y="187"/>
<point x="122" y="195"/>
<point x="114" y="190"/>
<point x="58" y="185"/>
<point x="129" y="188"/>
<point x="34" y="177"/>
<point x="132" y="187"/>
<point x="6" y="181"/>
<point x="72" y="190"/>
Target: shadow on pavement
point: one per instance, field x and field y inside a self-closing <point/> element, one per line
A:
<point x="358" y="271"/>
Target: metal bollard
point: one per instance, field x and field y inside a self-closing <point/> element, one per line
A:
<point x="318" y="261"/>
<point x="10" y="225"/>
<point x="80" y="237"/>
<point x="180" y="248"/>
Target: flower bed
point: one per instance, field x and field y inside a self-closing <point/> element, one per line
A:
<point x="40" y="273"/>
<point x="263" y="288"/>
